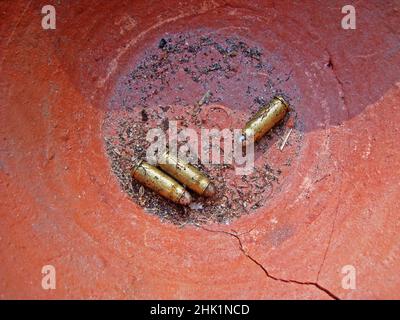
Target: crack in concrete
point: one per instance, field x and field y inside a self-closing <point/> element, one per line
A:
<point x="342" y="94"/>
<point x="267" y="273"/>
<point x="338" y="166"/>
<point x="330" y="64"/>
<point x="331" y="233"/>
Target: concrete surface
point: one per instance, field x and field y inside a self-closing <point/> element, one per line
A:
<point x="61" y="205"/>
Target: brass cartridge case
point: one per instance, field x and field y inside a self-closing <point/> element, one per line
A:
<point x="265" y="119"/>
<point x="187" y="174"/>
<point x="161" y="183"/>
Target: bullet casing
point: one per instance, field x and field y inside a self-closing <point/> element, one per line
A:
<point x="265" y="119"/>
<point x="187" y="174"/>
<point x="161" y="183"/>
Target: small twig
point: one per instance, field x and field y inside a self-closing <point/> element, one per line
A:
<point x="286" y="139"/>
<point x="205" y="98"/>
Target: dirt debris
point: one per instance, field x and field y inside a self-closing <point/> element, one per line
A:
<point x="176" y="80"/>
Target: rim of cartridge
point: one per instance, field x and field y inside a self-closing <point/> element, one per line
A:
<point x="282" y="99"/>
<point x="136" y="164"/>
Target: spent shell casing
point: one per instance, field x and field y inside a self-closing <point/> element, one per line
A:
<point x="265" y="119"/>
<point x="160" y="182"/>
<point x="187" y="174"/>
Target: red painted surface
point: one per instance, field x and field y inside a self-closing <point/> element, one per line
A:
<point x="61" y="205"/>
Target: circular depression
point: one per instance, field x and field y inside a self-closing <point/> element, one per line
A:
<point x="202" y="80"/>
<point x="212" y="78"/>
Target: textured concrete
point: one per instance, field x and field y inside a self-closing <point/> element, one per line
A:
<point x="61" y="205"/>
